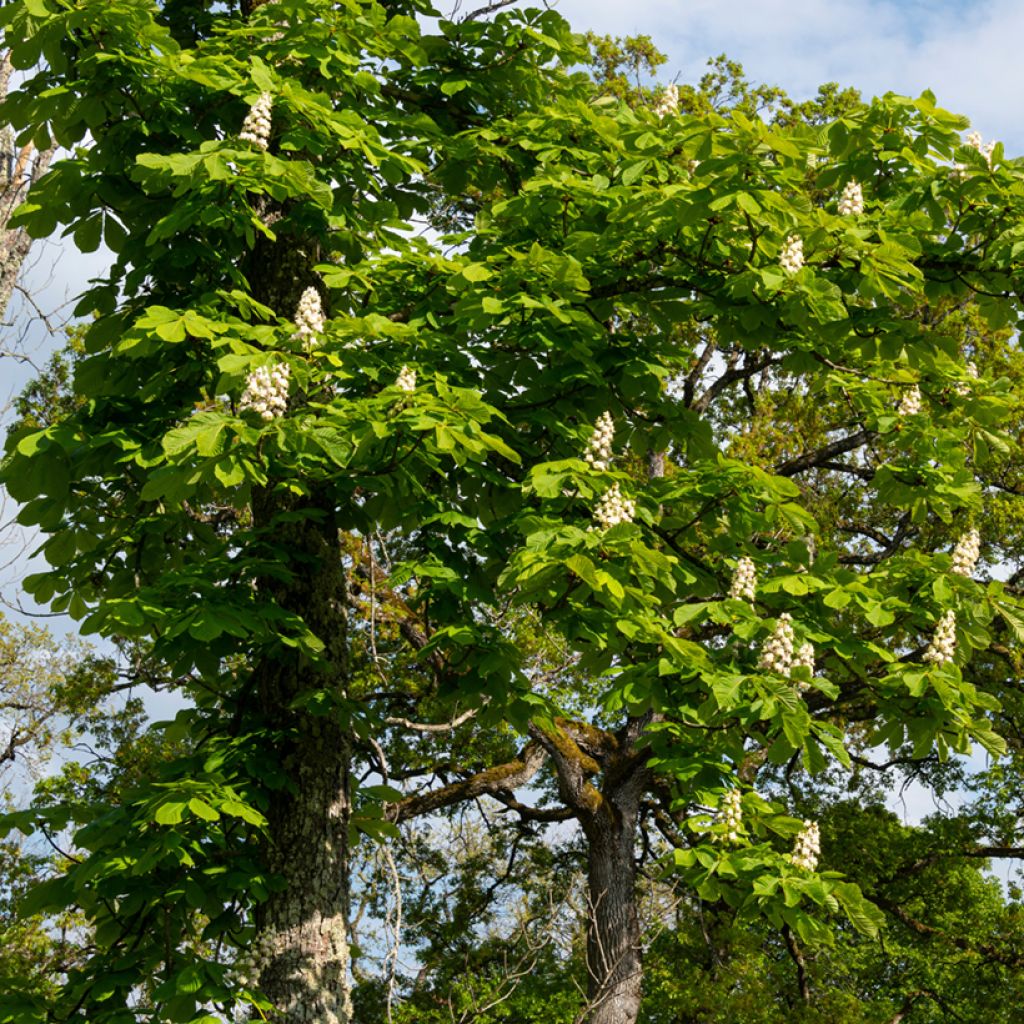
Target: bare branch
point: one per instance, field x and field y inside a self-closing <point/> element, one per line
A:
<point x="491" y="8"/>
<point x="434" y="727"/>
<point x="502" y="778"/>
<point x="824" y="454"/>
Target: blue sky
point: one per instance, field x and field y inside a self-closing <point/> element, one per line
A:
<point x="968" y="54"/>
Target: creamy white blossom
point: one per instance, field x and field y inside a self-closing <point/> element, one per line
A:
<point x="791" y="259"/>
<point x="910" y="403"/>
<point x="730" y="814"/>
<point x="599" y="448"/>
<point x="985" y="149"/>
<point x="966" y="553"/>
<point x="942" y="648"/>
<point x="851" y="202"/>
<point x="256" y="126"/>
<point x="804" y="659"/>
<point x="266" y="391"/>
<point x="406" y="380"/>
<point x="614" y="508"/>
<point x="744" y="580"/>
<point x="777" y="653"/>
<point x="668" y="102"/>
<point x="807" y="847"/>
<point x="309" y="317"/>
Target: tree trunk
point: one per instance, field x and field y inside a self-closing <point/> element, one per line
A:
<point x="302" y="950"/>
<point x="20" y="168"/>
<point x="614" y="967"/>
<point x="609" y="817"/>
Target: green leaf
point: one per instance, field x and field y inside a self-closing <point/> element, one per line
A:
<point x="171" y="812"/>
<point x="202" y="809"/>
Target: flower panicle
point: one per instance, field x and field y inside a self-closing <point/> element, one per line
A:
<point x="807" y="847"/>
<point x="257" y="123"/>
<point x="266" y="391"/>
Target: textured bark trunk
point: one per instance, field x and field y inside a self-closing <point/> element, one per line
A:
<point x="302" y="949"/>
<point x="19" y="168"/>
<point x="302" y="946"/>
<point x="304" y="954"/>
<point x="614" y="962"/>
<point x="610" y="817"/>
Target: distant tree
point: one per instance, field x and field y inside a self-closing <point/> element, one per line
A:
<point x="53" y="693"/>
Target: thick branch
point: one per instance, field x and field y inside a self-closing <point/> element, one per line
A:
<point x="502" y="778"/>
<point x="527" y="813"/>
<point x="980" y="852"/>
<point x="573" y="768"/>
<point x="797" y="955"/>
<point x="731" y="376"/>
<point x="690" y="386"/>
<point x="824" y="454"/>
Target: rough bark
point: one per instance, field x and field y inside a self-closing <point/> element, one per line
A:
<point x="503" y="778"/>
<point x="609" y="816"/>
<point x="302" y="946"/>
<point x="19" y="168"/>
<point x="614" y="964"/>
<point x="302" y="952"/>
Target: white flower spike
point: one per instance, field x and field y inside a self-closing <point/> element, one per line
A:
<point x="807" y="847"/>
<point x="910" y="403"/>
<point x="851" y="202"/>
<point x="777" y="653"/>
<point x="309" y="318"/>
<point x="791" y="259"/>
<point x="614" y="508"/>
<point x="406" y="380"/>
<point x="266" y="391"/>
<point x="985" y="149"/>
<point x="256" y="126"/>
<point x="668" y="103"/>
<point x="599" y="448"/>
<point x="744" y="581"/>
<point x="730" y="814"/>
<point x="966" y="553"/>
<point x="942" y="648"/>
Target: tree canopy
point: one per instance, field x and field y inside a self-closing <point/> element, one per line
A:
<point x="453" y="424"/>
